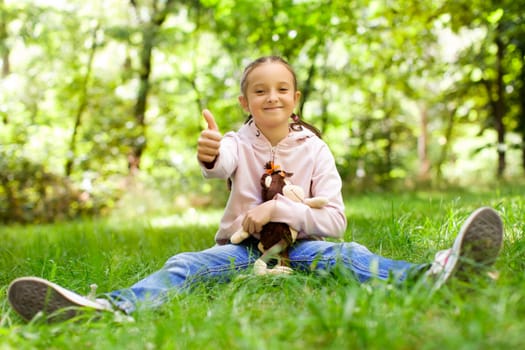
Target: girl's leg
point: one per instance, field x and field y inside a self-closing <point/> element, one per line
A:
<point x="182" y="269"/>
<point x="322" y="255"/>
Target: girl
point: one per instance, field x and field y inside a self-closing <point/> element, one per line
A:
<point x="269" y="96"/>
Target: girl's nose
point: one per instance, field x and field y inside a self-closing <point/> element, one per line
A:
<point x="272" y="96"/>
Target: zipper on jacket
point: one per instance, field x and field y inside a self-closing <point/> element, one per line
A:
<point x="272" y="150"/>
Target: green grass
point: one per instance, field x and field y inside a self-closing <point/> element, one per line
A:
<point x="301" y="311"/>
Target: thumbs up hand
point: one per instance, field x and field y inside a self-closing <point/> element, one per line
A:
<point x="210" y="120"/>
<point x="209" y="141"/>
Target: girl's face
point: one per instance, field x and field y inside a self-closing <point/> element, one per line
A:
<point x="270" y="96"/>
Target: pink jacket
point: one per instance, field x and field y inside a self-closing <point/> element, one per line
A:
<point x="242" y="157"/>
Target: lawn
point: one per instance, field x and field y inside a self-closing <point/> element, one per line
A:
<point x="300" y="311"/>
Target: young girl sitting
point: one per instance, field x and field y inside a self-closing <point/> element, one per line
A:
<point x="272" y="133"/>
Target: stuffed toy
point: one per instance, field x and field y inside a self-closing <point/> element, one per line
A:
<point x="277" y="237"/>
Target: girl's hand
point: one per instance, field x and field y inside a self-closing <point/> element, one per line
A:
<point x="257" y="217"/>
<point x="209" y="141"/>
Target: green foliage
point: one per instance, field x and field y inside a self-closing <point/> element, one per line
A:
<point x="29" y="193"/>
<point x="406" y="93"/>
<point x="329" y="311"/>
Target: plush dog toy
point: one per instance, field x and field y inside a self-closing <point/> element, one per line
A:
<point x="277" y="237"/>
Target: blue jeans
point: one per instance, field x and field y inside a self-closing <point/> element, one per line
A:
<point x="222" y="261"/>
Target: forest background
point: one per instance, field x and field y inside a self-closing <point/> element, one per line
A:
<point x="100" y="100"/>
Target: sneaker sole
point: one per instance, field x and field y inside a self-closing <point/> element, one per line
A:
<point x="478" y="244"/>
<point x="32" y="295"/>
<point x="482" y="238"/>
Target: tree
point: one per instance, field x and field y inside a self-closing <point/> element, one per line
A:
<point x="82" y="103"/>
<point x="149" y="24"/>
<point x="490" y="62"/>
<point x="4" y="47"/>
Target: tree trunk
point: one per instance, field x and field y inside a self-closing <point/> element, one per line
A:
<point x="422" y="146"/>
<point x="4" y="53"/>
<point x="446" y="147"/>
<point x="499" y="109"/>
<point x="139" y="144"/>
<point x="521" y="115"/>
<point x="4" y="49"/>
<point x="6" y="68"/>
<point x="497" y="105"/>
<point x="149" y="35"/>
<point x="68" y="168"/>
<point x="388" y="135"/>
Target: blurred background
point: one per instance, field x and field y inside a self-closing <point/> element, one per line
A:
<point x="100" y="100"/>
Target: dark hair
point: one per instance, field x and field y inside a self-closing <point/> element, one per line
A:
<point x="298" y="123"/>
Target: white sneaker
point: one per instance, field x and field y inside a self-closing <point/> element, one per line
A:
<point x="30" y="296"/>
<point x="476" y="247"/>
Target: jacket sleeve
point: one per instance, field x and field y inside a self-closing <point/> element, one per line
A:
<point x="329" y="221"/>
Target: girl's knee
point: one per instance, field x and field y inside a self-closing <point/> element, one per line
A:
<point x="352" y="247"/>
<point x="344" y="250"/>
<point x="180" y="260"/>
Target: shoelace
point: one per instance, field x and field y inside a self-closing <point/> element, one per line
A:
<point x="440" y="261"/>
<point x="93" y="292"/>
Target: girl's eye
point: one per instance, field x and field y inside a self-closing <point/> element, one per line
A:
<point x="283" y="89"/>
<point x="259" y="91"/>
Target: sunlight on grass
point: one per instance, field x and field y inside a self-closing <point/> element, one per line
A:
<point x="189" y="217"/>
